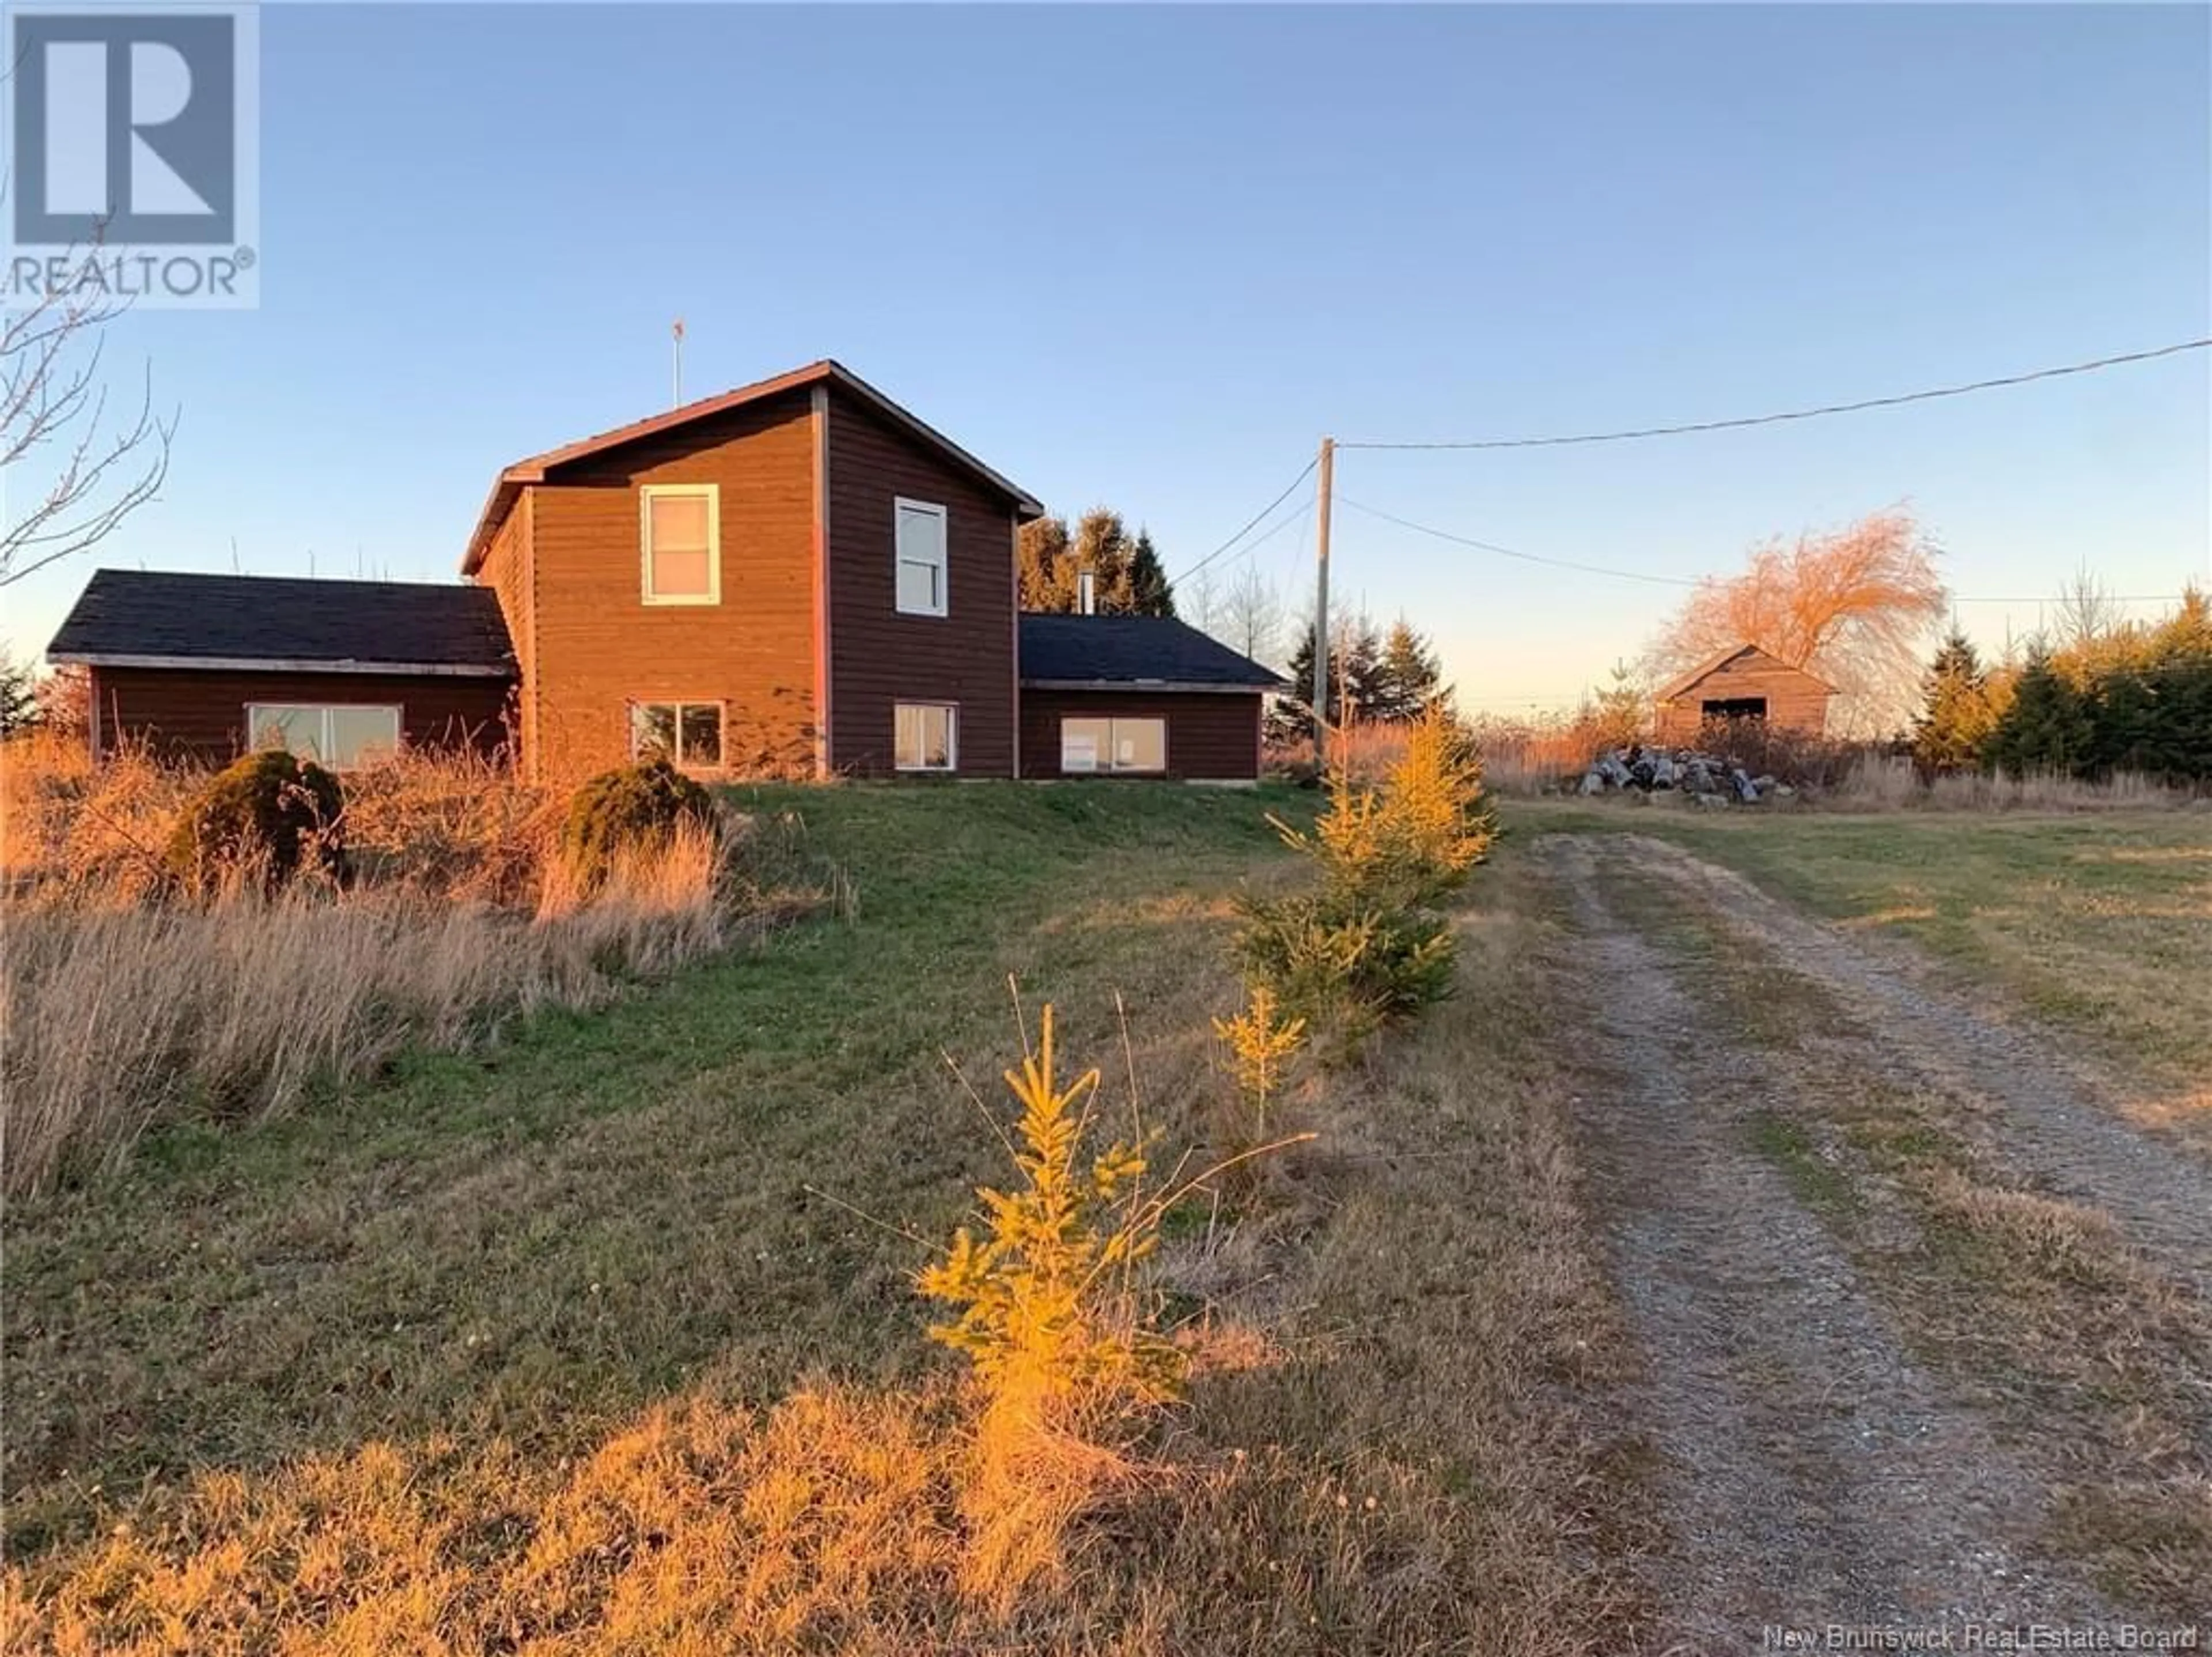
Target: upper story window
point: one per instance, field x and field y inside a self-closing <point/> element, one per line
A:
<point x="922" y="580"/>
<point x="680" y="530"/>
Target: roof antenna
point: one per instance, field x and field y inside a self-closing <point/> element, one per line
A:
<point x="676" y="333"/>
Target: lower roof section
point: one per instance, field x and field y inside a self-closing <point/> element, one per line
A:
<point x="277" y="624"/>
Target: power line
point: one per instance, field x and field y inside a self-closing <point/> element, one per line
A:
<point x="1253" y="524"/>
<point x="1801" y="414"/>
<point x="1509" y="552"/>
<point x="1302" y="516"/>
<point x="2060" y="598"/>
<point x="1689" y="581"/>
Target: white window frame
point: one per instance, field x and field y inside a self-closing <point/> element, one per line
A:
<point x="951" y="740"/>
<point x="900" y="507"/>
<point x="679" y="703"/>
<point x="712" y="494"/>
<point x="1110" y="768"/>
<point x="324" y="744"/>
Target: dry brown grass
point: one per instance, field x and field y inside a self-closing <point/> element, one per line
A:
<point x="64" y="819"/>
<point x="1889" y="783"/>
<point x="120" y="1016"/>
<point x="126" y="1003"/>
<point x="447" y="825"/>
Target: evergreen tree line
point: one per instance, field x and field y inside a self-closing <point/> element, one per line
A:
<point x="1375" y="677"/>
<point x="1127" y="577"/>
<point x="2134" y="697"/>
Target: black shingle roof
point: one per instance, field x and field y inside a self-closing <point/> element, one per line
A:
<point x="1059" y="649"/>
<point x="161" y="613"/>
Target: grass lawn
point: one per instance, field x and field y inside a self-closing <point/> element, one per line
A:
<point x="534" y="1240"/>
<point x="553" y="1349"/>
<point x="2100" y="922"/>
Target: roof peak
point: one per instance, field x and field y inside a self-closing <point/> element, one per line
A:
<point x="513" y="480"/>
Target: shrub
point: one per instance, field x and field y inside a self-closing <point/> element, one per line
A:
<point x="269" y="813"/>
<point x="1343" y="965"/>
<point x="1352" y="845"/>
<point x="1363" y="950"/>
<point x="1261" y="1043"/>
<point x="1434" y="804"/>
<point x="634" y="810"/>
<point x="1047" y="1313"/>
<point x="1413" y="838"/>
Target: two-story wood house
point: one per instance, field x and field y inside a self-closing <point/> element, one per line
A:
<point x="798" y="576"/>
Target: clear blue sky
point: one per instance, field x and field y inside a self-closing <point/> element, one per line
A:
<point x="1148" y="256"/>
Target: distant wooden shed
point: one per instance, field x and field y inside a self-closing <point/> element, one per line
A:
<point x="1742" y="682"/>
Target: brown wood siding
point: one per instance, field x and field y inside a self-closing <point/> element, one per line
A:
<point x="199" y="714"/>
<point x="598" y="646"/>
<point x="507" y="569"/>
<point x="877" y="657"/>
<point x="1795" y="701"/>
<point x="1212" y="734"/>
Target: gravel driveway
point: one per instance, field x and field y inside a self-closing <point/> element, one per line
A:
<point x="1816" y="1474"/>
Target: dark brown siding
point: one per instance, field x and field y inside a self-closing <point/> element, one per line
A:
<point x="597" y="646"/>
<point x="1212" y="734"/>
<point x="201" y="713"/>
<point x="1795" y="701"/>
<point x="879" y="657"/>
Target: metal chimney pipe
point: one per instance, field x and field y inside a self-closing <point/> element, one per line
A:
<point x="1086" y="592"/>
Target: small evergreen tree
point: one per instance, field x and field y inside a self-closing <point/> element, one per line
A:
<point x="1619" y="712"/>
<point x="1958" y="713"/>
<point x="1150" y="593"/>
<point x="2124" y="719"/>
<point x="1409" y="680"/>
<point x="2176" y="742"/>
<point x="1355" y="671"/>
<point x="19" y="696"/>
<point x="2047" y="727"/>
<point x="1046" y="1307"/>
<point x="2179" y="746"/>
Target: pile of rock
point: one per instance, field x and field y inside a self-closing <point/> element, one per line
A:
<point x="1709" y="779"/>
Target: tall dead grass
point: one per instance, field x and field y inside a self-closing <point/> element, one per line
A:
<point x="1890" y="782"/>
<point x="120" y="1016"/>
<point x="126" y="1005"/>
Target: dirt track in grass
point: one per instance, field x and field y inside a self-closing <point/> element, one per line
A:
<point x="1802" y="1153"/>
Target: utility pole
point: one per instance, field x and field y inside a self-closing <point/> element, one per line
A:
<point x="1322" y="494"/>
<point x="676" y="335"/>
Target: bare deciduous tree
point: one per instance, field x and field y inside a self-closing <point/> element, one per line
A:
<point x="88" y="471"/>
<point x="1250" y="616"/>
<point x="2087" y="613"/>
<point x="1854" y="606"/>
